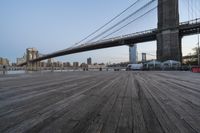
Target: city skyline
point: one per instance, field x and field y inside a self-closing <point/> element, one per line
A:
<point x="74" y="75"/>
<point x="50" y="26"/>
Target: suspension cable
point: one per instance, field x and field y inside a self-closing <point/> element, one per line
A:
<point x="130" y="22"/>
<point x="102" y="33"/>
<point x="114" y="18"/>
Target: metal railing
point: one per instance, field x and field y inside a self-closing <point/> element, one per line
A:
<point x="194" y="21"/>
<point x="119" y="37"/>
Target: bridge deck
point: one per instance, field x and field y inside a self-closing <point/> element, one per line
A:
<point x="100" y="102"/>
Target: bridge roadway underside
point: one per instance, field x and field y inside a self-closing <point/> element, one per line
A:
<point x="103" y="102"/>
<point x="184" y="30"/>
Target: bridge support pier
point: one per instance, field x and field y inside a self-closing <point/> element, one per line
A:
<point x="168" y="38"/>
<point x="169" y="46"/>
<point x="32" y="66"/>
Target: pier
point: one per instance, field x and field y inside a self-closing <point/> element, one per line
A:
<point x="100" y="102"/>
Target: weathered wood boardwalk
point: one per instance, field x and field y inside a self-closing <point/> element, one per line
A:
<point x="100" y="102"/>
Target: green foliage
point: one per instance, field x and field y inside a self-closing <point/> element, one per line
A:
<point x="192" y="58"/>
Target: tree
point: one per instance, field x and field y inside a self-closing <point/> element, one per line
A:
<point x="192" y="58"/>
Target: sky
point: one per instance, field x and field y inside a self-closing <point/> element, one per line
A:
<point x="51" y="25"/>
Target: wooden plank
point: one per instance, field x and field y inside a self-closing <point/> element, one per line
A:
<point x="125" y="121"/>
<point x="103" y="102"/>
<point x="139" y="125"/>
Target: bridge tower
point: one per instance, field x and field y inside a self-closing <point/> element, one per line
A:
<point x="31" y="53"/>
<point x="168" y="39"/>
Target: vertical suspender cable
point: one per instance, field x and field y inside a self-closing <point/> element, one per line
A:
<point x="188" y="9"/>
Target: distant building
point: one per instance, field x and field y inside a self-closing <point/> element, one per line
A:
<point x="66" y="64"/>
<point x="4" y="61"/>
<point x="50" y="62"/>
<point x="83" y="65"/>
<point x="13" y="64"/>
<point x="1" y="61"/>
<point x="102" y="64"/>
<point x="59" y="64"/>
<point x="144" y="57"/>
<point x="97" y="66"/>
<point x="133" y="54"/>
<point x="75" y="64"/>
<point x="43" y="64"/>
<point x="89" y="61"/>
<point x="21" y="60"/>
<point x="54" y="64"/>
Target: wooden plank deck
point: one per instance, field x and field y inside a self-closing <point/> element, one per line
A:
<point x="100" y="102"/>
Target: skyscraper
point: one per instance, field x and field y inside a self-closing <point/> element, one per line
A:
<point x="75" y="64"/>
<point x="89" y="61"/>
<point x="144" y="57"/>
<point x="133" y="54"/>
